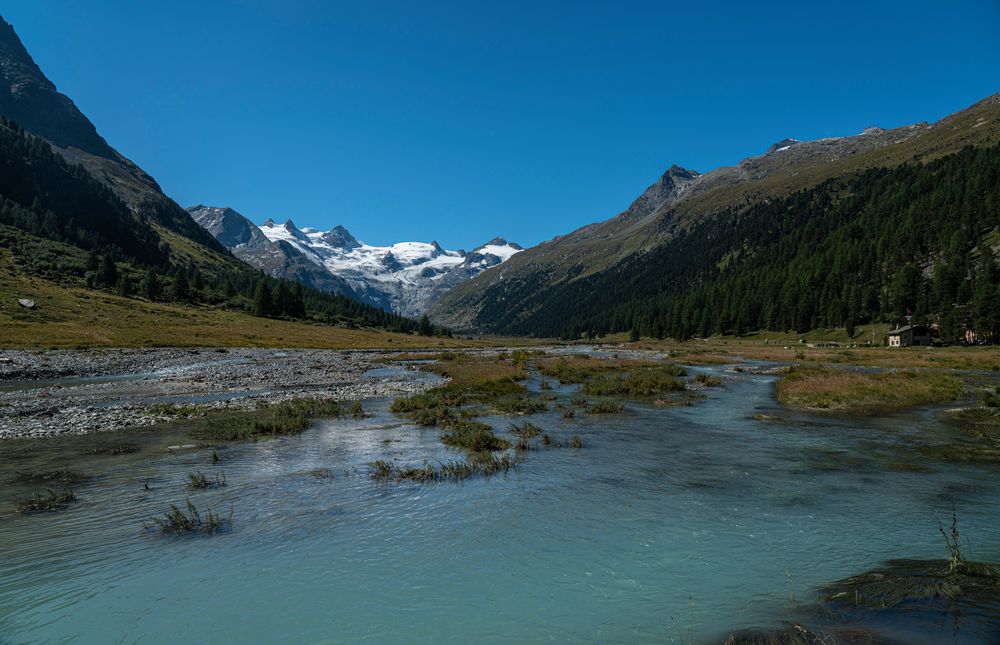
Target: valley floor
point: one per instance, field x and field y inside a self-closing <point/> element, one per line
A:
<point x="59" y="392"/>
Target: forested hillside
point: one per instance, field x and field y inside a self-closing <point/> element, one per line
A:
<point x="79" y="214"/>
<point x="57" y="222"/>
<point x="522" y="291"/>
<point x="871" y="245"/>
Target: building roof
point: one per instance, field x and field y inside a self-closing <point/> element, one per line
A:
<point x="915" y="328"/>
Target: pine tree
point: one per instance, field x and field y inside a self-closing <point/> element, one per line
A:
<point x="180" y="290"/>
<point x="124" y="286"/>
<point x="282" y="299"/>
<point x="262" y="303"/>
<point x="298" y="302"/>
<point x="108" y="272"/>
<point x="425" y="329"/>
<point x="151" y="285"/>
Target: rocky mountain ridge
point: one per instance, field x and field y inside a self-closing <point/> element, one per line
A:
<point x="406" y="277"/>
<point x="681" y="197"/>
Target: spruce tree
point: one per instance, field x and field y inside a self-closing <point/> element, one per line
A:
<point x="124" y="286"/>
<point x="108" y="272"/>
<point x="262" y="304"/>
<point x="151" y="285"/>
<point x="425" y="329"/>
<point x="180" y="291"/>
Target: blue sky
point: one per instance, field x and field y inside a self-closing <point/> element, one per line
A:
<point x="459" y="121"/>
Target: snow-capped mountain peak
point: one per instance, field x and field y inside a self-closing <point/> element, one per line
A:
<point x="406" y="277"/>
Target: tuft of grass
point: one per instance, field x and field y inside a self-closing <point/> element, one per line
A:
<point x="525" y="430"/>
<point x="357" y="411"/>
<point x="179" y="410"/>
<point x="473" y="436"/>
<point x="953" y="543"/>
<point x="201" y="481"/>
<point x="288" y="417"/>
<point x="177" y="521"/>
<point x="605" y="407"/>
<point x="708" y="381"/>
<point x="520" y="405"/>
<point x="44" y="503"/>
<point x="576" y="442"/>
<point x="488" y="466"/>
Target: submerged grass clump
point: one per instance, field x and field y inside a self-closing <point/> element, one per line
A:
<point x="288" y="417"/>
<point x="481" y="466"/>
<point x="53" y="501"/>
<point x="116" y="449"/>
<point x="52" y="477"/>
<point x="936" y="586"/>
<point x="791" y="634"/>
<point x="201" y="481"/>
<point x="179" y="521"/>
<point x="526" y="430"/>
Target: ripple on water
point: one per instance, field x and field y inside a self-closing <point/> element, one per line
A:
<point x="671" y="524"/>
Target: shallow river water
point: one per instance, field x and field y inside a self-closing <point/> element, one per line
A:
<point x="674" y="524"/>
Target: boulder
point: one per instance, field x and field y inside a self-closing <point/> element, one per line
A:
<point x="26" y="303"/>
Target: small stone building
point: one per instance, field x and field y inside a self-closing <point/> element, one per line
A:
<point x="911" y="335"/>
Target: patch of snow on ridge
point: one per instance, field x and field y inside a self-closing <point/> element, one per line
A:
<point x="407" y="275"/>
<point x="505" y="252"/>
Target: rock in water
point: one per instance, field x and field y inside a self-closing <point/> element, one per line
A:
<point x="26" y="303"/>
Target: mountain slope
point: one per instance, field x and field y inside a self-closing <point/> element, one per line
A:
<point x="526" y="288"/>
<point x="75" y="214"/>
<point x="32" y="100"/>
<point x="406" y="277"/>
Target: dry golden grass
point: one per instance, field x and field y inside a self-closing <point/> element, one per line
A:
<point x="847" y="391"/>
<point x="469" y="371"/>
<point x="575" y="368"/>
<point x="68" y="316"/>
<point x="718" y="350"/>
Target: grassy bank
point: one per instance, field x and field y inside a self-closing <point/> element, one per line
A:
<point x="787" y="348"/>
<point x="67" y="316"/>
<point x="829" y="389"/>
